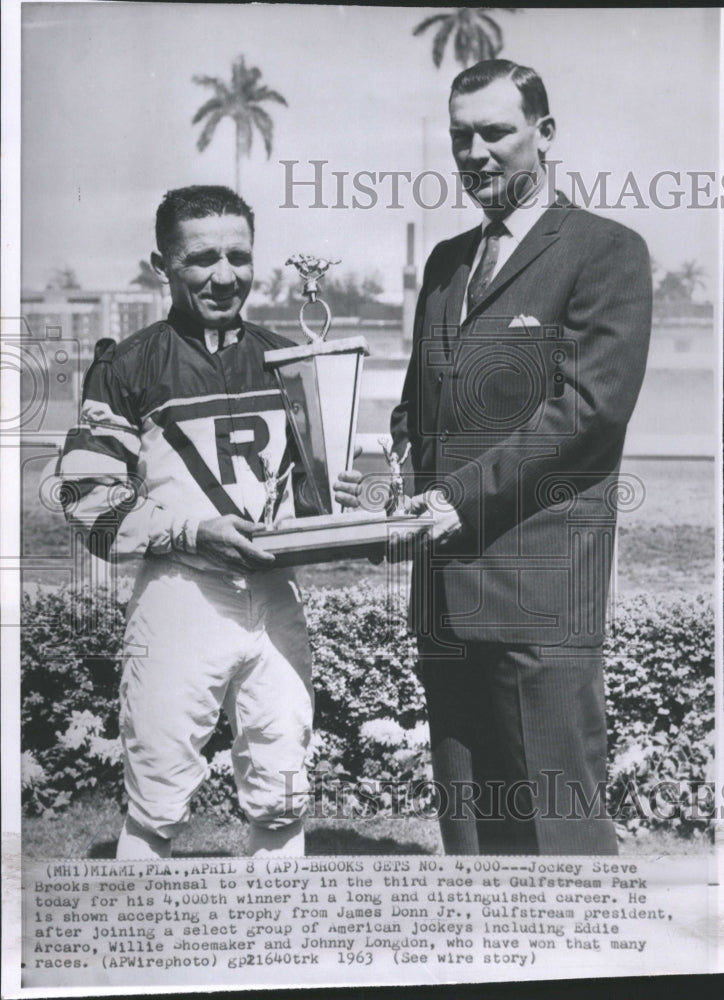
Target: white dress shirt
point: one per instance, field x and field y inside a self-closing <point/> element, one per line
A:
<point x="517" y="226"/>
<point x="215" y="343"/>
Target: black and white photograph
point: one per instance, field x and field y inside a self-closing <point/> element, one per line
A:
<point x="361" y="463"/>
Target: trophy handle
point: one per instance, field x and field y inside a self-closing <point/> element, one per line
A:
<point x="327" y="320"/>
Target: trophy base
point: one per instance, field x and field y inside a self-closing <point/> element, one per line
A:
<point x="339" y="536"/>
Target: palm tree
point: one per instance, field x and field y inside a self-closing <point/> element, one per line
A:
<point x="372" y="286"/>
<point x="274" y="287"/>
<point x="239" y="100"/>
<point x="691" y="275"/>
<point x="147" y="277"/>
<point x="63" y="279"/>
<point x="672" y="288"/>
<point x="475" y="34"/>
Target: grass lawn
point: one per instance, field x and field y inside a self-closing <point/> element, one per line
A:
<point x="89" y="828"/>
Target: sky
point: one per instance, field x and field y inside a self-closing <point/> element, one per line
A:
<point x="108" y="98"/>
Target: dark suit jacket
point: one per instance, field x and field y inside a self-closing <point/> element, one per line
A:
<point x="525" y="428"/>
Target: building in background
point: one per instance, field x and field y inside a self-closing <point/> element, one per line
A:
<point x="674" y="415"/>
<point x="87" y="316"/>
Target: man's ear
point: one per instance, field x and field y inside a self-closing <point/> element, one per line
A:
<point x="546" y="132"/>
<point x="159" y="267"/>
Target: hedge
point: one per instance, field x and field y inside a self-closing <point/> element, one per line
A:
<point x="370" y="723"/>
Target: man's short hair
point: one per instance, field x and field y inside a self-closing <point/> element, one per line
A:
<point x="197" y="202"/>
<point x="533" y="96"/>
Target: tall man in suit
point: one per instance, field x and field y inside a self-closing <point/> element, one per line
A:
<point x="530" y="344"/>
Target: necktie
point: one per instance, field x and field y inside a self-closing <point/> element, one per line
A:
<point x="486" y="265"/>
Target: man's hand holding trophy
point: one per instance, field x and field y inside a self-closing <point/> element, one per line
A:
<point x="437" y="519"/>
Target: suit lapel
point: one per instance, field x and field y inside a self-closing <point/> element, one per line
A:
<point x="543" y="235"/>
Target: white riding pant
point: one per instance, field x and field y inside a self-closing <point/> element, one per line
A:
<point x="195" y="643"/>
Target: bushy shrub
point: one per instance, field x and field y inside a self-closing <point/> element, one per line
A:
<point x="70" y="661"/>
<point x="364" y="669"/>
<point x="660" y="697"/>
<point x="370" y="723"/>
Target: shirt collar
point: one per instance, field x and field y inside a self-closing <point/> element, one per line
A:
<point x="216" y="340"/>
<point x="522" y="219"/>
<point x="188" y="326"/>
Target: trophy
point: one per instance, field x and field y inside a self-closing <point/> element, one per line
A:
<point x="396" y="507"/>
<point x="272" y="482"/>
<point x="320" y="387"/>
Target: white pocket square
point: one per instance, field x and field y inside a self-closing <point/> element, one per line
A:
<point x="524" y="321"/>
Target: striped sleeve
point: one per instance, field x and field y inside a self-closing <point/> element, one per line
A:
<point x="103" y="496"/>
